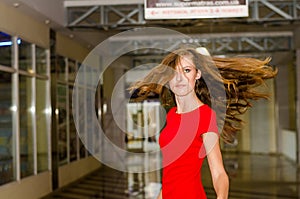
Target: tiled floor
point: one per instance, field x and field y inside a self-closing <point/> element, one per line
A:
<point x="251" y="177"/>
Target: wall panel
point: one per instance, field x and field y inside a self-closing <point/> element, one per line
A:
<point x="14" y="22"/>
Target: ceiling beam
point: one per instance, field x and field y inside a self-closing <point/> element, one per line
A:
<point x="217" y="44"/>
<point x="146" y="37"/>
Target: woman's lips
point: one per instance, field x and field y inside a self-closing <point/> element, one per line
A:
<point x="180" y="85"/>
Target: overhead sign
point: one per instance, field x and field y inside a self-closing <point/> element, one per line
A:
<point x="189" y="9"/>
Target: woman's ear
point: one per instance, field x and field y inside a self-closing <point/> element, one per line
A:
<point x="198" y="75"/>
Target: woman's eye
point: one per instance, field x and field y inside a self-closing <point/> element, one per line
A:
<point x="187" y="70"/>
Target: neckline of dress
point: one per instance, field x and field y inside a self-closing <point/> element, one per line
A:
<point x="183" y="113"/>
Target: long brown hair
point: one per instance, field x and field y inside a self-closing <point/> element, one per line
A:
<point x="227" y="85"/>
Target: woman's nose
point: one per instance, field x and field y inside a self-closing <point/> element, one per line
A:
<point x="179" y="76"/>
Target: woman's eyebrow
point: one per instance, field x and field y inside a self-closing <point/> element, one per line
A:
<point x="188" y="66"/>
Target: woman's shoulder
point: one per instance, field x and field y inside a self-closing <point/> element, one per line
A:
<point x="172" y="110"/>
<point x="207" y="109"/>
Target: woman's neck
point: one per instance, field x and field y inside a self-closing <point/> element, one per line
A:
<point x="187" y="103"/>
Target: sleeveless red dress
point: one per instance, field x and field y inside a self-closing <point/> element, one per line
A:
<point x="183" y="152"/>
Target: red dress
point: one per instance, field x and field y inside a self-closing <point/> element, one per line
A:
<point x="183" y="152"/>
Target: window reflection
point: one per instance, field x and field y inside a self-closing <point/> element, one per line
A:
<point x="6" y="135"/>
<point x="32" y="113"/>
<point x="61" y="68"/>
<point x="89" y="128"/>
<point x="81" y="121"/>
<point x="72" y="129"/>
<point x="5" y="49"/>
<point x="25" y="56"/>
<point x="41" y="61"/>
<point x="41" y="124"/>
<point x="72" y="70"/>
<point x="62" y="123"/>
<point x="26" y="127"/>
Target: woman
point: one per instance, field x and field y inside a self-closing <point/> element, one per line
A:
<point x="194" y="87"/>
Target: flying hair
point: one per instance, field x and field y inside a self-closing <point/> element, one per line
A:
<point x="238" y="77"/>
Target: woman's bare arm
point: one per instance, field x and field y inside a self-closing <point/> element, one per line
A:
<point x="214" y="157"/>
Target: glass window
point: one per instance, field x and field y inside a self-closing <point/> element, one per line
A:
<point x="98" y="103"/>
<point x="89" y="76"/>
<point x="72" y="129"/>
<point x="32" y="113"/>
<point x="41" y="125"/>
<point x="82" y="149"/>
<point x="61" y="68"/>
<point x="6" y="135"/>
<point x="92" y="139"/>
<point x="81" y="78"/>
<point x="41" y="61"/>
<point x="62" y="123"/>
<point x="89" y="128"/>
<point x="72" y="70"/>
<point x="26" y="127"/>
<point x="81" y="121"/>
<point x="25" y="56"/>
<point x="5" y="49"/>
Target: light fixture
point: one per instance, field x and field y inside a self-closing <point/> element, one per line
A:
<point x="16" y="4"/>
<point x="31" y="109"/>
<point x="9" y="43"/>
<point x="48" y="110"/>
<point x="13" y="108"/>
<point x="47" y="21"/>
<point x="30" y="71"/>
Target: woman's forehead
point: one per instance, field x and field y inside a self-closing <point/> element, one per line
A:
<point x="185" y="61"/>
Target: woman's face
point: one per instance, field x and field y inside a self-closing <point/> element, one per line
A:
<point x="185" y="77"/>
